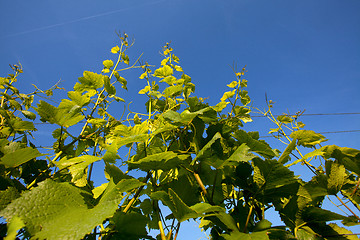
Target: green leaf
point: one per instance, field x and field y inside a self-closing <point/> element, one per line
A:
<point x="284" y="119"/>
<point x="343" y="232"/>
<point x="28" y="114"/>
<point x="305" y="233"/>
<point x="233" y="84"/>
<point x="99" y="190"/>
<point x="89" y="81"/>
<point x="115" y="49"/>
<point x="172" y="116"/>
<point x="315" y="153"/>
<point x="109" y="88"/>
<point x="316" y="214"/>
<point x="130" y="226"/>
<point x="206" y="151"/>
<point x="285" y="156"/>
<point x="349" y="157"/>
<point x="307" y="138"/>
<point x="145" y="90"/>
<point x="114" y="173"/>
<point x="78" y="98"/>
<point x="172" y="91"/>
<point x="169" y="80"/>
<point x="220" y="106"/>
<point x="182" y="211"/>
<point x="77" y="166"/>
<point x="246" y="236"/>
<point x="125" y="58"/>
<point x="66" y="115"/>
<point x="273" y="179"/>
<point x="178" y="68"/>
<point x="241" y="154"/>
<point x="7" y="196"/>
<point x="19" y="125"/>
<point x="262" y="225"/>
<point x="61" y="211"/>
<point x="228" y="95"/>
<point x="121" y="80"/>
<point x="163" y="71"/>
<point x="20" y="156"/>
<point x="13" y="226"/>
<point x="164" y="161"/>
<point x="257" y="146"/>
<point x="336" y="176"/>
<point x="108" y="64"/>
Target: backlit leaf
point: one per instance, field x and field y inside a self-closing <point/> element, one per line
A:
<point x="307" y="138"/>
<point x="61" y="211"/>
<point x="20" y="156"/>
<point x="163" y="71"/>
<point x="108" y="64"/>
<point x="336" y="176"/>
<point x="163" y="161"/>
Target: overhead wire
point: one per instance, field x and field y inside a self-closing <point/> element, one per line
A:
<point x="309" y="114"/>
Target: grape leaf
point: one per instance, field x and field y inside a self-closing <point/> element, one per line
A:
<point x="62" y="211"/>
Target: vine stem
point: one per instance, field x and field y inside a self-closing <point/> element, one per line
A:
<point x="126" y="209"/>
<point x="347" y="207"/>
<point x="177" y="231"/>
<point x="203" y="189"/>
<point x="248" y="217"/>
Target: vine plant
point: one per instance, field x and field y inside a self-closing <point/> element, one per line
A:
<point x="181" y="154"/>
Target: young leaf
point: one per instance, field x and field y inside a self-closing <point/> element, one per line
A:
<point x="307" y="138"/>
<point x="78" y="98"/>
<point x="285" y="156"/>
<point x="77" y="165"/>
<point x="28" y="114"/>
<point x="233" y="84"/>
<point x="284" y="119"/>
<point x="110" y="89"/>
<point x="163" y="71"/>
<point x="115" y="49"/>
<point x="228" y="95"/>
<point x="108" y="64"/>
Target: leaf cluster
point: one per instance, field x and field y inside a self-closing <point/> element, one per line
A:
<point x="180" y="153"/>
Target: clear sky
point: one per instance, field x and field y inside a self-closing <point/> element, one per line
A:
<point x="303" y="54"/>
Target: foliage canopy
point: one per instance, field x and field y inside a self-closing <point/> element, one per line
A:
<point x="192" y="157"/>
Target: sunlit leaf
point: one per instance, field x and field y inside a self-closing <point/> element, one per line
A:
<point x="28" y="114"/>
<point x="336" y="176"/>
<point x="110" y="89"/>
<point x="228" y="95"/>
<point x="163" y="161"/>
<point x="163" y="71"/>
<point x="233" y="84"/>
<point x="284" y="119"/>
<point x="20" y="156"/>
<point x="61" y="211"/>
<point x="307" y="138"/>
<point x="13" y="226"/>
<point x="115" y="49"/>
<point x="108" y="64"/>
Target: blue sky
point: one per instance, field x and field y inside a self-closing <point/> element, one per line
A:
<point x="302" y="54"/>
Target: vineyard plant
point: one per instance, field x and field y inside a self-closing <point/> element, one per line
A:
<point x="180" y="159"/>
